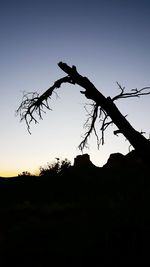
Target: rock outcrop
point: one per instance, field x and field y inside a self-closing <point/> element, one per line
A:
<point x="83" y="161"/>
<point x="120" y="161"/>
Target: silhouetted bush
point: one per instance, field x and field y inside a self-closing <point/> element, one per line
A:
<point x="55" y="168"/>
<point x="25" y="173"/>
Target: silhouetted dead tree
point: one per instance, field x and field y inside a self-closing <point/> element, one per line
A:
<point x="103" y="108"/>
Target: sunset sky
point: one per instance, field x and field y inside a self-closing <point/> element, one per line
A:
<point x="107" y="40"/>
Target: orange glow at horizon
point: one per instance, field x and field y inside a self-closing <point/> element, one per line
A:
<point x="5" y="174"/>
<point x="13" y="173"/>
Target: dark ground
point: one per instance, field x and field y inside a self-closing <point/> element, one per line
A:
<point x="79" y="217"/>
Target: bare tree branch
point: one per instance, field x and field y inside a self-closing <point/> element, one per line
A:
<point x="90" y="126"/>
<point x="32" y="104"/>
<point x="133" y="93"/>
<point x="103" y="108"/>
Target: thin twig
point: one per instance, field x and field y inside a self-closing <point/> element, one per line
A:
<point x="133" y="93"/>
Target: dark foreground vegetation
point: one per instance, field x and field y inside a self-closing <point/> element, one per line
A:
<point x="77" y="216"/>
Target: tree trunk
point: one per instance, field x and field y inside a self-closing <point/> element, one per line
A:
<point x="137" y="140"/>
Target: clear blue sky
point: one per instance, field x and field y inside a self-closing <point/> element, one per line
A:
<point x="108" y="41"/>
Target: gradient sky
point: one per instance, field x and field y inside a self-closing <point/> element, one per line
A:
<point x="108" y="41"/>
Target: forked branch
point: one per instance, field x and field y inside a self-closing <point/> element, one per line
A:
<point x="90" y="126"/>
<point x="133" y="93"/>
<point x="33" y="105"/>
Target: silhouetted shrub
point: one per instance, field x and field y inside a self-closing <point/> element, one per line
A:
<point x="25" y="173"/>
<point x="54" y="168"/>
<point x="64" y="165"/>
